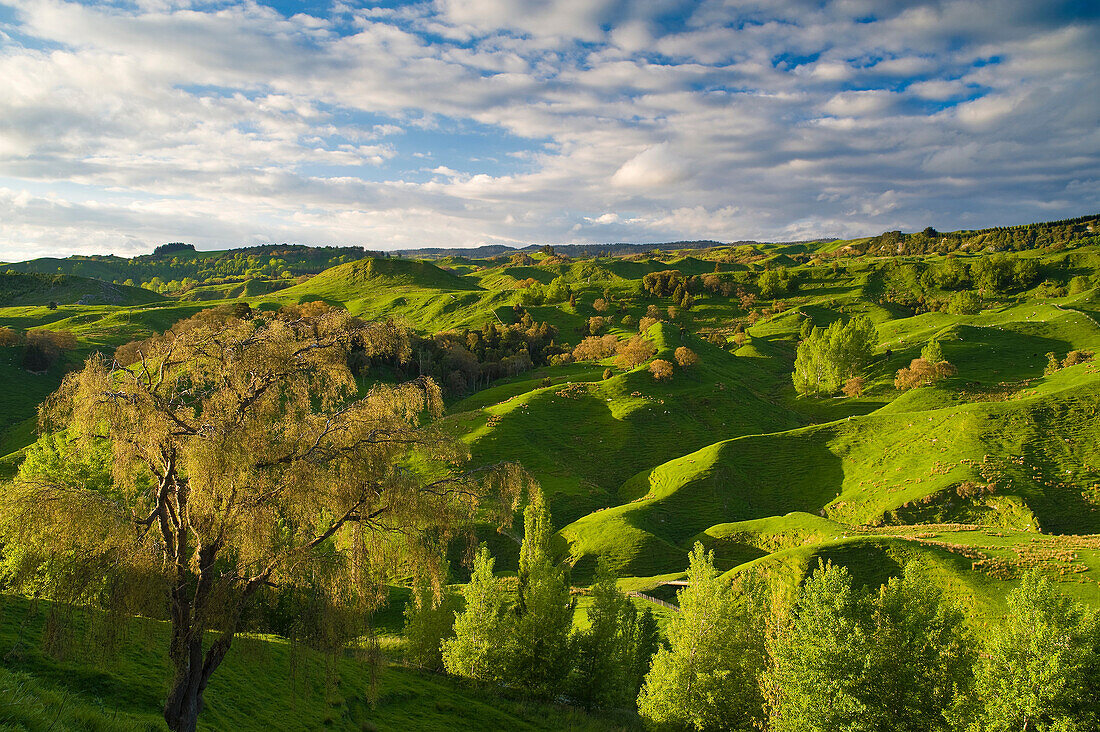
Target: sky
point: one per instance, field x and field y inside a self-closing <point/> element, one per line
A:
<point x="456" y="123"/>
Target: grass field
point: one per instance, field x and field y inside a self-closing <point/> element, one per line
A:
<point x="980" y="476"/>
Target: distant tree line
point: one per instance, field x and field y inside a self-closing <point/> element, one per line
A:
<point x="1055" y="234"/>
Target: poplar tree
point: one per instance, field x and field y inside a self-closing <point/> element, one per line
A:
<point x="477" y="647"/>
<point x="429" y="621"/>
<point x="1042" y="668"/>
<point x="706" y="679"/>
<point x="607" y="651"/>
<point x="539" y="647"/>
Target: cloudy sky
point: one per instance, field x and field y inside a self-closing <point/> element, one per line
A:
<point x="464" y="122"/>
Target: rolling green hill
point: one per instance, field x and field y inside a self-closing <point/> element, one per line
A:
<point x="21" y="289"/>
<point x="981" y="475"/>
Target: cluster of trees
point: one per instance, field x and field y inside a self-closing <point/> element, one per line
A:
<point x="1053" y="234"/>
<point x="828" y="357"/>
<point x="42" y="349"/>
<point x="930" y="367"/>
<point x="1072" y="359"/>
<point x="775" y="283"/>
<point x="181" y="262"/>
<point x="463" y="361"/>
<point x="840" y="658"/>
<point x="669" y="283"/>
<point x="521" y="635"/>
<point x="909" y="285"/>
<point x="535" y="293"/>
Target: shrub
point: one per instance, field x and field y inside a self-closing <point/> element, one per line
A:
<point x="1079" y="284"/>
<point x="661" y="370"/>
<point x="633" y="352"/>
<point x="600" y="305"/>
<point x="43" y="348"/>
<point x="594" y="348"/>
<point x="627" y="321"/>
<point x="596" y="324"/>
<point x="653" y="312"/>
<point x="1075" y="357"/>
<point x="8" y="337"/>
<point x="966" y="302"/>
<point x="922" y="372"/>
<point x="686" y="357"/>
<point x="1052" y="364"/>
<point x="932" y="352"/>
<point x="854" y="386"/>
<point x="607" y="374"/>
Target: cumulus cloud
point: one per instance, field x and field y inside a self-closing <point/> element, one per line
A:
<point x="123" y="126"/>
<point x="655" y="167"/>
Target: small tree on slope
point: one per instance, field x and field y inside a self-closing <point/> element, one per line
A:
<point x="706" y="679"/>
<point x="539" y="647"/>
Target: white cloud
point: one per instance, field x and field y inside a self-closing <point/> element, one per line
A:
<point x="654" y="167"/>
<point x="125" y="126"/>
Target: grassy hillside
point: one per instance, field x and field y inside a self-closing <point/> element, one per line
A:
<point x="39" y="289"/>
<point x="264" y="684"/>
<point x="981" y="475"/>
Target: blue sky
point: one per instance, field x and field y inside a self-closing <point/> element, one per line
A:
<point x="466" y="122"/>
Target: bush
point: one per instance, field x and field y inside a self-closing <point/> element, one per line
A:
<point x="1079" y="284"/>
<point x="43" y="348"/>
<point x="600" y="305"/>
<point x="8" y="337"/>
<point x="966" y="302"/>
<point x="1075" y="357"/>
<point x="922" y="372"/>
<point x="633" y="352"/>
<point x="607" y="374"/>
<point x="1052" y="364"/>
<point x="854" y="386"/>
<point x="686" y="357"/>
<point x="594" y="348"/>
<point x="661" y="370"/>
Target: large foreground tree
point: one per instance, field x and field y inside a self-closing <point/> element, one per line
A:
<point x="241" y="457"/>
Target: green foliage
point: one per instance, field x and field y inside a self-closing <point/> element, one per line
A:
<point x="611" y="650"/>
<point x="775" y="283"/>
<point x="429" y="621"/>
<point x="706" y="678"/>
<point x="932" y="352"/>
<point x="538" y="645"/>
<point x="965" y="303"/>
<point x="1001" y="273"/>
<point x="1042" y="667"/>
<point x="829" y="357"/>
<point x="843" y="660"/>
<point x="476" y="649"/>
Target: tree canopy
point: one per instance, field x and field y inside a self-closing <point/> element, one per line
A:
<point x="240" y="456"/>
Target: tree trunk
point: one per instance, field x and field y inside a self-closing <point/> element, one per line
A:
<point x="181" y="710"/>
<point x="192" y="672"/>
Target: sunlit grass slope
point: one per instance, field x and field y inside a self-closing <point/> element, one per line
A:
<point x="264" y="684"/>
